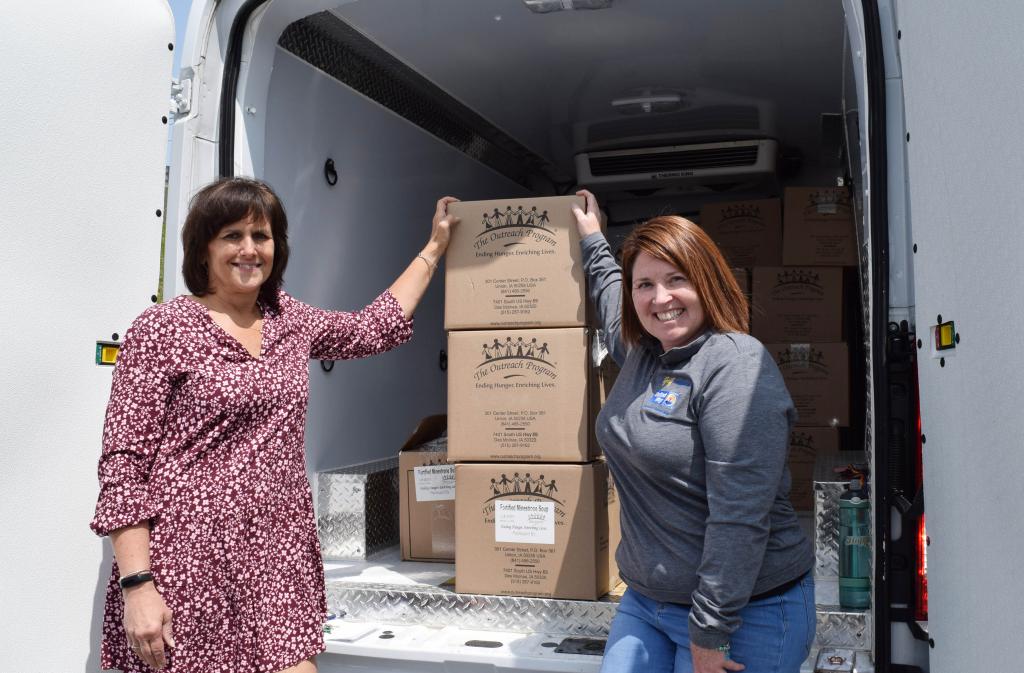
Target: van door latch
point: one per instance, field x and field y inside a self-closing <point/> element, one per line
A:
<point x="181" y="94"/>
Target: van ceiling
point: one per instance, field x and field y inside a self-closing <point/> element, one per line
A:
<point x="722" y="69"/>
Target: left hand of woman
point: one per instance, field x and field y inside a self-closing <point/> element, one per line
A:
<point x="712" y="661"/>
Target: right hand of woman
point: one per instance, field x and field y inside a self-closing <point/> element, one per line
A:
<point x="441" y="228"/>
<point x="590" y="221"/>
<point x="147" y="623"/>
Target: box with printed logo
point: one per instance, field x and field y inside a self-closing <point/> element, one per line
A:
<point x="742" y="277"/>
<point x="805" y="445"/>
<point x="749" y="233"/>
<point x="520" y="395"/>
<point x="818" y="229"/>
<point x="817" y="376"/>
<point x="427" y="494"/>
<point x="514" y="263"/>
<point x="797" y="304"/>
<point x="528" y="529"/>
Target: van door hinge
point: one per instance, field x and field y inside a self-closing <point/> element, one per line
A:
<point x="181" y="94"/>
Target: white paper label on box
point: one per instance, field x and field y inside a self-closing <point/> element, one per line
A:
<point x="434" y="482"/>
<point x="524" y="521"/>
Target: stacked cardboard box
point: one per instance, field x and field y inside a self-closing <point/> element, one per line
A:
<point x="535" y="529"/>
<point x="532" y="502"/>
<point x="805" y="445"/>
<point x="519" y="395"/>
<point x="797" y="304"/>
<point x="427" y="494"/>
<point x="819" y="227"/>
<point x="796" y="255"/>
<point x="749" y="233"/>
<point x="514" y="264"/>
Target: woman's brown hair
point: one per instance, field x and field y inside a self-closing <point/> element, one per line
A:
<point x="225" y="202"/>
<point x="684" y="245"/>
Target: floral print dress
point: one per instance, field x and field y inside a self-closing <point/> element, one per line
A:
<point x="206" y="442"/>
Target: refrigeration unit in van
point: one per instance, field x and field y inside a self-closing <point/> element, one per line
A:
<point x="361" y="113"/>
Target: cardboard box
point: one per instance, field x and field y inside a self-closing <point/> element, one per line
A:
<point x="607" y="374"/>
<point x="514" y="263"/>
<point x="805" y="445"/>
<point x="742" y="277"/>
<point x="797" y="304"/>
<point x="801" y="488"/>
<point x="520" y="395"/>
<point x="818" y="227"/>
<point x="426" y="495"/>
<point x="534" y="530"/>
<point x="602" y="378"/>
<point x="818" y="378"/>
<point x="749" y="233"/>
<point x="604" y="372"/>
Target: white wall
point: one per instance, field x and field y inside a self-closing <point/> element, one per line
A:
<point x="962" y="66"/>
<point x="83" y="90"/>
<point x="349" y="242"/>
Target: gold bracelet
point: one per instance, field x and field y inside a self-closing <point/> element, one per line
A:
<point x="432" y="267"/>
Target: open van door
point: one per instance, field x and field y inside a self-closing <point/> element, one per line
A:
<point x="964" y="155"/>
<point x="83" y="127"/>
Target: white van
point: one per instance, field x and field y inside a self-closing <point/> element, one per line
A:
<point x="361" y="113"/>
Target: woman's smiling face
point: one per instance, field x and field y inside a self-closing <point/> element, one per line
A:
<point x="240" y="257"/>
<point x="666" y="302"/>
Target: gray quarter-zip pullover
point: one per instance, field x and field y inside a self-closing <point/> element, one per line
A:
<point x="696" y="440"/>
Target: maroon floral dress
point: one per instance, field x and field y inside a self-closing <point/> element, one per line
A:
<point x="206" y="442"/>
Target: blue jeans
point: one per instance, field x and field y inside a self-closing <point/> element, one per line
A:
<point x="651" y="637"/>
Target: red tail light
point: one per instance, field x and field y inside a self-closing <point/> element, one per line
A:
<point x="921" y="604"/>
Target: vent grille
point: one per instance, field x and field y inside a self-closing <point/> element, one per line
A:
<point x="678" y="160"/>
<point x="545" y="6"/>
<point x="336" y="48"/>
<point x="705" y="119"/>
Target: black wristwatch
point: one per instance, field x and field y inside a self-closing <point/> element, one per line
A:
<point x="135" y="579"/>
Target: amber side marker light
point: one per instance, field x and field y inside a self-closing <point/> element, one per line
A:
<point x="106" y="352"/>
<point x="945" y="336"/>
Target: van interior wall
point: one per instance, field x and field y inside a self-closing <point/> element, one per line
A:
<point x="350" y="241"/>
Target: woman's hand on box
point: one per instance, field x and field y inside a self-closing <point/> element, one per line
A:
<point x="441" y="230"/>
<point x="587" y="222"/>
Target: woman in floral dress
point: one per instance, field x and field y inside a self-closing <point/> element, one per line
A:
<point x="203" y="487"/>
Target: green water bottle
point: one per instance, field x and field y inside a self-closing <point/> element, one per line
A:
<point x="854" y="548"/>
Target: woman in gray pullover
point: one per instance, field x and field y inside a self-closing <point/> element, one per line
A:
<point x="695" y="432"/>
